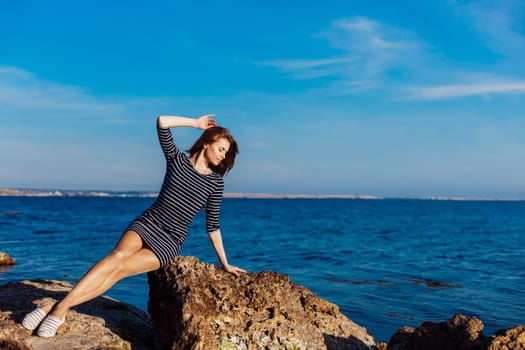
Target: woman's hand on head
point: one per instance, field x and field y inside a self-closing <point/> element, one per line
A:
<point x="206" y="121"/>
<point x="234" y="270"/>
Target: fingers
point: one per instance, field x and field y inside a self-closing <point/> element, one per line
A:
<point x="237" y="271"/>
<point x="206" y="121"/>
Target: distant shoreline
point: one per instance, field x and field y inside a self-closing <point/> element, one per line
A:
<point x="14" y="192"/>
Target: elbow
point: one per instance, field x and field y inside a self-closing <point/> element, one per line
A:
<point x="213" y="231"/>
<point x="163" y="122"/>
<point x="160" y="121"/>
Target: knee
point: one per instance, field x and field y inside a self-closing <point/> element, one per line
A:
<point x="116" y="258"/>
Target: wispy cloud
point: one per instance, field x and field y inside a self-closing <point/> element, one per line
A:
<point x="309" y="69"/>
<point x="24" y="96"/>
<point x="359" y="34"/>
<point x="21" y="90"/>
<point x="62" y="130"/>
<point x="464" y="90"/>
<point x="306" y="64"/>
<point x="373" y="56"/>
<point x="365" y="51"/>
<point x="498" y="23"/>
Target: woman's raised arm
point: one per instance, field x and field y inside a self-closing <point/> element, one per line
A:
<point x="172" y="121"/>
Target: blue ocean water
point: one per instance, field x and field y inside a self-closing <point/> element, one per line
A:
<point x="386" y="263"/>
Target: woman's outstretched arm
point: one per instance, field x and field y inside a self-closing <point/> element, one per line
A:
<point x="216" y="241"/>
<point x="172" y="121"/>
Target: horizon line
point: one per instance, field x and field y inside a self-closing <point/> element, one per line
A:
<point x="27" y="192"/>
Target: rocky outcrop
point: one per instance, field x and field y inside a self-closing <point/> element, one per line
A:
<point x="458" y="333"/>
<point x="194" y="305"/>
<point x="199" y="306"/>
<point x="6" y="260"/>
<point x="102" y="323"/>
<point x="508" y="339"/>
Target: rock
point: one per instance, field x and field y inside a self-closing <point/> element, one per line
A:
<point x="194" y="305"/>
<point x="507" y="339"/>
<point x="460" y="332"/>
<point x="401" y="340"/>
<point x="102" y="323"/>
<point x="6" y="259"/>
<point x="382" y="346"/>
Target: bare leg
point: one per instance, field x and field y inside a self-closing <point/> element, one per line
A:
<point x="132" y="266"/>
<point x="128" y="258"/>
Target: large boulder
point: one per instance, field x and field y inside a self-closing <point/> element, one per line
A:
<point x="195" y="306"/>
<point x="102" y="323"/>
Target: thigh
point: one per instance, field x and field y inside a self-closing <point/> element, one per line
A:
<point x="130" y="242"/>
<point x="142" y="261"/>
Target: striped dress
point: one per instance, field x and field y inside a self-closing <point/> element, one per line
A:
<point x="164" y="226"/>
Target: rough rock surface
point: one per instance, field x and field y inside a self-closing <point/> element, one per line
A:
<point x="458" y="333"/>
<point x="5" y="259"/>
<point x="508" y="339"/>
<point x="102" y="323"/>
<point x="199" y="306"/>
<point x="194" y="305"/>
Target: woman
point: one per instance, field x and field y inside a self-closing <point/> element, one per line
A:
<point x="154" y="238"/>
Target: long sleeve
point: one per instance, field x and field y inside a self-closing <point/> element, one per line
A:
<point x="167" y="144"/>
<point x="213" y="208"/>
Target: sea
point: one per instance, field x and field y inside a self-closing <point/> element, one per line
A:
<point x="386" y="263"/>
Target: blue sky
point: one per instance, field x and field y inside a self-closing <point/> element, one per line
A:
<point x="404" y="98"/>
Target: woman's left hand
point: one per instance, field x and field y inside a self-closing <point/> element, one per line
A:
<point x="205" y="121"/>
<point x="234" y="270"/>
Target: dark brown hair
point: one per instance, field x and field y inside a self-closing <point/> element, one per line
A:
<point x="211" y="135"/>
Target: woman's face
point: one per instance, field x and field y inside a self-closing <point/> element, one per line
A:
<point x="215" y="152"/>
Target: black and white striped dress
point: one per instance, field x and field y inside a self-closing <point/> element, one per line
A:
<point x="164" y="226"/>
